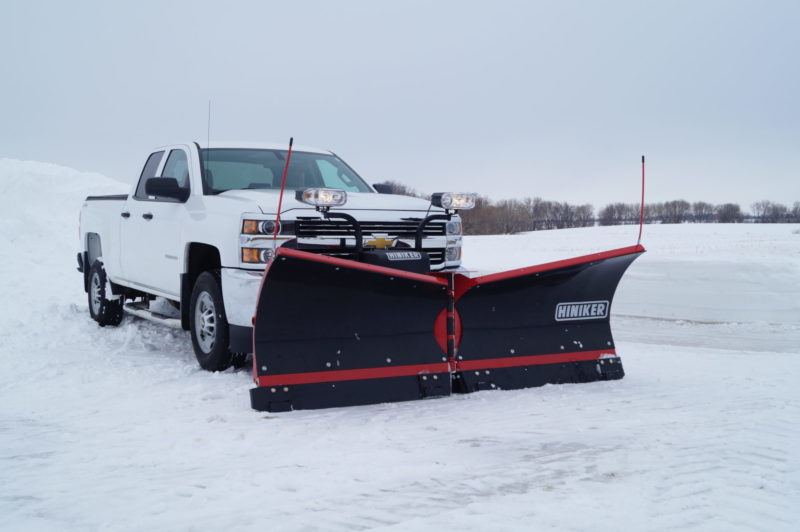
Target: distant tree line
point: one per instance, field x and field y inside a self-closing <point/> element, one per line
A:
<point x="527" y="214"/>
<point x="514" y="216"/>
<point x="681" y="211"/>
<point x="534" y="214"/>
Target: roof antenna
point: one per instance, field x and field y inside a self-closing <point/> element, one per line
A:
<point x="280" y="198"/>
<point x="641" y="210"/>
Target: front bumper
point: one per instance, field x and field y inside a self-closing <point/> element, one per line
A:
<point x="240" y="293"/>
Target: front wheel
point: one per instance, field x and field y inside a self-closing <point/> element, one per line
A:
<point x="103" y="307"/>
<point x="208" y="324"/>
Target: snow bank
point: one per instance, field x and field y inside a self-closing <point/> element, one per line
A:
<point x="117" y="428"/>
<point x="39" y="206"/>
<point x="699" y="272"/>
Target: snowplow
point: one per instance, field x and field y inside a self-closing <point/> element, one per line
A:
<point x="377" y="326"/>
<point x="345" y="293"/>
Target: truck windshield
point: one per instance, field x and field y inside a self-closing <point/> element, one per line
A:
<point x="236" y="169"/>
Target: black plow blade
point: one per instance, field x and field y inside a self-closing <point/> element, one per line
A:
<point x="333" y="332"/>
<point x="539" y="325"/>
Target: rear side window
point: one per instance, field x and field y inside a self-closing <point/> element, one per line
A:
<point x="149" y="171"/>
<point x="177" y="166"/>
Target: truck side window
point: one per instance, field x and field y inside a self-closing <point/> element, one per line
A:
<point x="177" y="166"/>
<point x="148" y="171"/>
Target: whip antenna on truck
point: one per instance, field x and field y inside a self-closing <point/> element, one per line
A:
<point x="208" y="142"/>
<point x="280" y="198"/>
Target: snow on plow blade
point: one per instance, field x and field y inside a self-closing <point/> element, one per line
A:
<point x="333" y="332"/>
<point x="539" y="325"/>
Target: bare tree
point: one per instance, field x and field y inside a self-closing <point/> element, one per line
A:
<point x="513" y="216"/>
<point x="676" y="211"/>
<point x="609" y="215"/>
<point x="543" y="216"/>
<point x="777" y="213"/>
<point x="795" y="213"/>
<point x="480" y="220"/>
<point x="702" y="212"/>
<point x="653" y="212"/>
<point x="564" y="215"/>
<point x="760" y="210"/>
<point x="619" y="213"/>
<point x="729" y="213"/>
<point x="584" y="215"/>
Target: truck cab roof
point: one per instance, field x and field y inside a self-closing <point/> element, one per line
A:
<point x="249" y="146"/>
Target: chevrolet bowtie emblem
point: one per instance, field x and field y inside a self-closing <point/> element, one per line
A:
<point x="380" y="243"/>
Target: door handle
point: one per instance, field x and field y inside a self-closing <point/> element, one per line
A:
<point x="125" y="214"/>
<point x="147" y="216"/>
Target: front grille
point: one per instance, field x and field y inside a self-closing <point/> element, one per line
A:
<point x="405" y="229"/>
<point x="436" y="255"/>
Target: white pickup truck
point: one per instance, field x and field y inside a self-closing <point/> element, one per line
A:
<point x="197" y="231"/>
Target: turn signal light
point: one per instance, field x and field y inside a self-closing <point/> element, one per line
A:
<point x="256" y="255"/>
<point x="258" y="227"/>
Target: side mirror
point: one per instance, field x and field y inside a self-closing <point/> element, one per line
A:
<point x="383" y="188"/>
<point x="165" y="187"/>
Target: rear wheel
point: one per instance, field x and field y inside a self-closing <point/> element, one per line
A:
<point x="208" y="324"/>
<point x="103" y="308"/>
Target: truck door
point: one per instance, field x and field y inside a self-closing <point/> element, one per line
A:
<point x="152" y="245"/>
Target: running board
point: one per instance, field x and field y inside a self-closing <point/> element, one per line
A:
<point x="140" y="311"/>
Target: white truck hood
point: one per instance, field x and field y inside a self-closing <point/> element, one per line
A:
<point x="267" y="201"/>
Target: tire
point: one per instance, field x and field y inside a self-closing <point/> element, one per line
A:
<point x="239" y="360"/>
<point x="103" y="310"/>
<point x="208" y="324"/>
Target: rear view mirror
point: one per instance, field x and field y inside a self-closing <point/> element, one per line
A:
<point x="383" y="188"/>
<point x="165" y="187"/>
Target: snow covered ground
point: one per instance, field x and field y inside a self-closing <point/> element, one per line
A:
<point x="118" y="429"/>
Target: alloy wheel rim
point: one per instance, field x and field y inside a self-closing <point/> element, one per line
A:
<point x="205" y="321"/>
<point x="96" y="293"/>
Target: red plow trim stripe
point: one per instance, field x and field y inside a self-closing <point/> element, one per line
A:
<point x="557" y="264"/>
<point x="351" y="374"/>
<point x="532" y="360"/>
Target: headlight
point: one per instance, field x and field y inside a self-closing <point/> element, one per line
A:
<point x="321" y="197"/>
<point x="256" y="255"/>
<point x="452" y="251"/>
<point x="452" y="254"/>
<point x="453" y="228"/>
<point x="259" y="227"/>
<point x="454" y="200"/>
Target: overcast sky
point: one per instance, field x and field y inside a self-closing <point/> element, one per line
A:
<point x="510" y="99"/>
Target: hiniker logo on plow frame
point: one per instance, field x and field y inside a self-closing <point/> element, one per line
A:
<point x="582" y="310"/>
